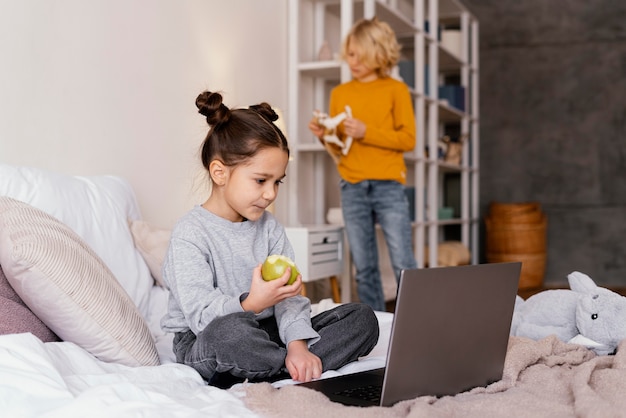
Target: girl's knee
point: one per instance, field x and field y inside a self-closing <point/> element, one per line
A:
<point x="362" y="317"/>
<point x="363" y="310"/>
<point x="228" y="328"/>
<point x="368" y="316"/>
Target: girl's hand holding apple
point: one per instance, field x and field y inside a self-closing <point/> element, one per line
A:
<point x="265" y="294"/>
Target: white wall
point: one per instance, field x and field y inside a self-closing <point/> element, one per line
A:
<point x="108" y="86"/>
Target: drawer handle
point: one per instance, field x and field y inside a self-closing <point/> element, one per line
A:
<point x="325" y="240"/>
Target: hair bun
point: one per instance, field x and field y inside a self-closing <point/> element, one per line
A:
<point x="265" y="110"/>
<point x="210" y="105"/>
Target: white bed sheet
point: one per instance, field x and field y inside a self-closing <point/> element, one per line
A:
<point x="63" y="380"/>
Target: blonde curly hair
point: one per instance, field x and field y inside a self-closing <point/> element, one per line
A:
<point x="375" y="43"/>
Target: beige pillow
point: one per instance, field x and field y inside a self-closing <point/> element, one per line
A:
<point x="450" y="253"/>
<point x="152" y="244"/>
<point x="69" y="287"/>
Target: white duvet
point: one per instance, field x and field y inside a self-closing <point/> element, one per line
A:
<point x="63" y="380"/>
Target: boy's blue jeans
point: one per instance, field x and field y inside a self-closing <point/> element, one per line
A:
<point x="363" y="205"/>
<point x="242" y="347"/>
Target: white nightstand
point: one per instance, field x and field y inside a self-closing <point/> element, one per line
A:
<point x="319" y="253"/>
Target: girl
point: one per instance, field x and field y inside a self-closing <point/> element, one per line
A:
<point x="230" y="324"/>
<point x="373" y="172"/>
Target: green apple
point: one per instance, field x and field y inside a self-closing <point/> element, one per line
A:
<point x="275" y="265"/>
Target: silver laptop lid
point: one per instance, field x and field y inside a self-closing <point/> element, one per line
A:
<point x="451" y="330"/>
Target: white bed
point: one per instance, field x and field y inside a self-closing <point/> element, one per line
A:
<point x="89" y="274"/>
<point x="89" y="374"/>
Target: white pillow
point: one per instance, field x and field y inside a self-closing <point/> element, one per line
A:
<point x="70" y="288"/>
<point x="98" y="209"/>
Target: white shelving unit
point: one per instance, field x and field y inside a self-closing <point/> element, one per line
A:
<point x="445" y="52"/>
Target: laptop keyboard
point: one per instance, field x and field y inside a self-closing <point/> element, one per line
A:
<point x="368" y="392"/>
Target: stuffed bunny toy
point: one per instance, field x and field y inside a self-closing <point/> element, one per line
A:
<point x="587" y="314"/>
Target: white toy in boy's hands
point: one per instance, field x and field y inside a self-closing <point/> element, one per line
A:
<point x="587" y="314"/>
<point x="330" y="131"/>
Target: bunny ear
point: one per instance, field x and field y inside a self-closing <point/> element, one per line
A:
<point x="581" y="283"/>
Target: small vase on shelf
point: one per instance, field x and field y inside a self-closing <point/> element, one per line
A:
<point x="325" y="53"/>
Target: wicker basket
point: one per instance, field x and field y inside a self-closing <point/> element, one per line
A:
<point x="528" y="212"/>
<point x="513" y="237"/>
<point x="533" y="267"/>
<point x="517" y="232"/>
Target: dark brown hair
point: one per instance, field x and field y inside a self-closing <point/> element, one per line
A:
<point x="237" y="135"/>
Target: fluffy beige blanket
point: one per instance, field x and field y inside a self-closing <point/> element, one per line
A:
<point x="546" y="378"/>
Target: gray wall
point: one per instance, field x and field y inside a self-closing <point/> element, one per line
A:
<point x="553" y="125"/>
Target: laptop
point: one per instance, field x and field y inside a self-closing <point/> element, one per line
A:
<point x="449" y="334"/>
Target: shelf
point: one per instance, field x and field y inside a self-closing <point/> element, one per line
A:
<point x="313" y="178"/>
<point x="412" y="158"/>
<point x="450" y="168"/>
<point x="448" y="61"/>
<point x="448" y="113"/>
<point x="314" y="147"/>
<point x="330" y="70"/>
<point x="402" y="26"/>
<point x="453" y="221"/>
<point x="450" y="10"/>
<point x="311" y="147"/>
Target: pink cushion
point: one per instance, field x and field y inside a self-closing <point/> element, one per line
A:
<point x="17" y="318"/>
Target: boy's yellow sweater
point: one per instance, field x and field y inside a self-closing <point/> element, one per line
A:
<point x="386" y="108"/>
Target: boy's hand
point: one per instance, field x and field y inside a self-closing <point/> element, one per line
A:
<point x="264" y="294"/>
<point x="354" y="128"/>
<point x="316" y="128"/>
<point x="302" y="365"/>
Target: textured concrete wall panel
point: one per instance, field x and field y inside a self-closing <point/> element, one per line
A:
<point x="553" y="124"/>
